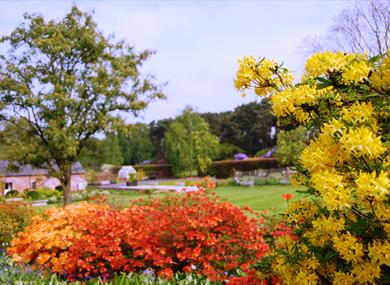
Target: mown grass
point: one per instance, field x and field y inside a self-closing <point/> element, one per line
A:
<point x="265" y="197"/>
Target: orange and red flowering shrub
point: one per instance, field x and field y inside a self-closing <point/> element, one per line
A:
<point x="176" y="234"/>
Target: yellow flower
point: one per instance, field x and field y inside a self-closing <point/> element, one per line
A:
<point x="358" y="113"/>
<point x="332" y="128"/>
<point x="356" y="72"/>
<point x="329" y="225"/>
<point x="381" y="77"/>
<point x="373" y="185"/>
<point x="366" y="272"/>
<point x="348" y="247"/>
<point x="265" y="76"/>
<point x="379" y="252"/>
<point x="324" y="62"/>
<point x="362" y="142"/>
<point x="341" y="278"/>
<point x="306" y="277"/>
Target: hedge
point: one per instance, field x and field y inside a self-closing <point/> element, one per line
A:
<point x="155" y="170"/>
<point x="226" y="168"/>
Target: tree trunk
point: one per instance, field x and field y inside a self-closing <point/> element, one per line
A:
<point x="67" y="188"/>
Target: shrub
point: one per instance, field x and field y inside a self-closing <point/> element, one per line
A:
<point x="14" y="217"/>
<point x="290" y="144"/>
<point x="227" y="151"/>
<point x="194" y="233"/>
<point x="12" y="193"/>
<point x="343" y="99"/>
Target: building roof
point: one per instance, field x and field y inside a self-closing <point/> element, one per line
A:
<point x="14" y="169"/>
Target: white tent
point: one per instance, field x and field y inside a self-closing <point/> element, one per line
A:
<point x="125" y="171"/>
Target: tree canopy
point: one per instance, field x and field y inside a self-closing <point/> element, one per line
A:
<point x="189" y="145"/>
<point x="66" y="81"/>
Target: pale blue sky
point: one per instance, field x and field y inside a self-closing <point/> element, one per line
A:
<point x="197" y="42"/>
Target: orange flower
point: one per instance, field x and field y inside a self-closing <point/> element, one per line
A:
<point x="287" y="196"/>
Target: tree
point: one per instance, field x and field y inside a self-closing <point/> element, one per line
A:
<point x="189" y="145"/>
<point x="248" y="127"/>
<point x="365" y="26"/>
<point x="65" y="80"/>
<point x="91" y="155"/>
<point x="135" y="143"/>
<point x="111" y="150"/>
<point x="157" y="134"/>
<point x="290" y="145"/>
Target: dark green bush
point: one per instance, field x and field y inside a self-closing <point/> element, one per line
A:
<point x="12" y="193"/>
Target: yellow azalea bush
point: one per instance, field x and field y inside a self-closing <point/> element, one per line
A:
<point x="343" y="233"/>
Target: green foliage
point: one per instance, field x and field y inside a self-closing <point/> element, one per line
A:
<point x="135" y="143"/>
<point x="111" y="150"/>
<point x="14" y="217"/>
<point x="43" y="193"/>
<point x="12" y="193"/>
<point x="11" y="273"/>
<point x="267" y="181"/>
<point x="189" y="145"/>
<point x="290" y="145"/>
<point x="91" y="154"/>
<point x="249" y="126"/>
<point x="227" y="151"/>
<point x="86" y="77"/>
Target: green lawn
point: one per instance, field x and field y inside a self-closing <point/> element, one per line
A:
<point x="267" y="197"/>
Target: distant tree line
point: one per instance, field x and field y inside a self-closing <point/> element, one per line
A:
<point x="249" y="128"/>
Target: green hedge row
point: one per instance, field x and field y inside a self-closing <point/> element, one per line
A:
<point x="226" y="168"/>
<point x="155" y="170"/>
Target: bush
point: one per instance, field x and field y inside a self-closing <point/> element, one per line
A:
<point x="342" y="237"/>
<point x="194" y="233"/>
<point x="12" y="193"/>
<point x="290" y="145"/>
<point x="14" y="217"/>
<point x="227" y="151"/>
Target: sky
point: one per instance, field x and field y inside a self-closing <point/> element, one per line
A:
<point x="197" y="43"/>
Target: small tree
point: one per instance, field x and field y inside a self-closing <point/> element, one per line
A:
<point x="65" y="80"/>
<point x="189" y="145"/>
<point x="290" y="145"/>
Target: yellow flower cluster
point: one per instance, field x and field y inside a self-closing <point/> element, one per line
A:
<point x="290" y="101"/>
<point x="348" y="247"/>
<point x="356" y="72"/>
<point x="346" y="167"/>
<point x="322" y="153"/>
<point x="359" y="113"/>
<point x="362" y="142"/>
<point x="265" y="76"/>
<point x="381" y="77"/>
<point x="353" y="67"/>
<point x="371" y="185"/>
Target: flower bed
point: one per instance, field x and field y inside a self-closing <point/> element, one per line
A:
<point x="189" y="233"/>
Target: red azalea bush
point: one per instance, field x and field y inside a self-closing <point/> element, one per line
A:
<point x="176" y="234"/>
